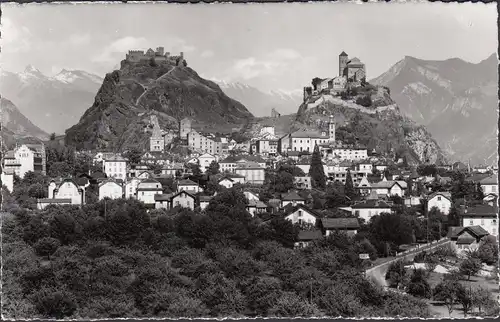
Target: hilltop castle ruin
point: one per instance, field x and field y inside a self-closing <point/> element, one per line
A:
<point x="351" y="73"/>
<point x="135" y="56"/>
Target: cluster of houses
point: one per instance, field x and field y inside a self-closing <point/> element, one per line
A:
<point x="246" y="163"/>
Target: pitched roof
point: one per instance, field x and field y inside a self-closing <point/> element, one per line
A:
<point x="115" y="158"/>
<point x="189" y="193"/>
<point x="186" y="182"/>
<point x="387" y="184"/>
<point x="465" y="238"/>
<point x="9" y="155"/>
<point x="493" y="179"/>
<point x="289" y="209"/>
<point x="481" y="211"/>
<point x="163" y="197"/>
<point x="339" y="223"/>
<point x="149" y="180"/>
<point x="205" y="198"/>
<point x="306" y="235"/>
<point x="372" y="204"/>
<point x="256" y="203"/>
<point x="343" y="53"/>
<point x="292" y="196"/>
<point x="307" y="134"/>
<point x="445" y="194"/>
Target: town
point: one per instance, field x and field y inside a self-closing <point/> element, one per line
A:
<point x="272" y="176"/>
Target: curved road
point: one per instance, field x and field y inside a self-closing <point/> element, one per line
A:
<point x="377" y="273"/>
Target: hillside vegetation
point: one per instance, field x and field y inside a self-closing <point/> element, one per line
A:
<point x="378" y="125"/>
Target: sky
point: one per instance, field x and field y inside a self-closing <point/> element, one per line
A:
<point x="269" y="46"/>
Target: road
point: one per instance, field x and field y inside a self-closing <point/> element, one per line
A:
<point x="377" y="273"/>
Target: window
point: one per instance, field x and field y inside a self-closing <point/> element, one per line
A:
<point x="471" y="222"/>
<point x="494" y="188"/>
<point x="439" y="198"/>
<point x="482" y="221"/>
<point x="300" y="221"/>
<point x="300" y="213"/>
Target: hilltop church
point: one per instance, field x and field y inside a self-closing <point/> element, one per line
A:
<point x="351" y="72"/>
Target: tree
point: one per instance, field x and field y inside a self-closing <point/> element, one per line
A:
<point x="213" y="168"/>
<point x="316" y="171"/>
<point x="349" y="186"/>
<point x="46" y="246"/>
<point x="418" y="285"/>
<point x="488" y="250"/>
<point x="470" y="266"/>
<point x="446" y="292"/>
<point x="291" y="305"/>
<point x="54" y="304"/>
<point x="52" y="136"/>
<point x="133" y="155"/>
<point x="481" y="298"/>
<point x="465" y="297"/>
<point x="364" y="100"/>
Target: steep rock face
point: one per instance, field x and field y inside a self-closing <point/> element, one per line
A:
<point x="52" y="103"/>
<point x="456" y="100"/>
<point x="130" y="95"/>
<point x="378" y="127"/>
<point x="15" y="124"/>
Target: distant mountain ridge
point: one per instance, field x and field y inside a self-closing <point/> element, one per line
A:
<point x="52" y="103"/>
<point x="15" y="125"/>
<point x="456" y="100"/>
<point x="260" y="102"/>
<point x="129" y="96"/>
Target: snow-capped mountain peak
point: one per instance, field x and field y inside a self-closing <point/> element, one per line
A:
<point x="70" y="76"/>
<point x="30" y="69"/>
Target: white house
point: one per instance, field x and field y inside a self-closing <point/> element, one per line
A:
<point x="110" y="189"/>
<point x="490" y="185"/>
<point x="292" y="198"/>
<point x="364" y="166"/>
<point x="302" y="215"/>
<point x="67" y="189"/>
<point x="256" y="207"/>
<point x="183" y="199"/>
<point x="440" y="200"/>
<point x="25" y="157"/>
<point x="467" y="238"/>
<point x="302" y="182"/>
<point x="226" y="182"/>
<point x="188" y="185"/>
<point x="390" y="188"/>
<point x="115" y="166"/>
<point x="369" y="208"/>
<point x="147" y="189"/>
<point x="131" y="188"/>
<point x="482" y="215"/>
<point x="205" y="160"/>
<point x="250" y="195"/>
<point x="8" y="181"/>
<point x="349" y="226"/>
<point x="204" y="201"/>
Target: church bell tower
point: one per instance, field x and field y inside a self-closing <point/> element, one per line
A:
<point x="331" y="129"/>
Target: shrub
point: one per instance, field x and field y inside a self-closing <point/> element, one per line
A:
<point x="364" y="100"/>
<point x="54" y="304"/>
<point x="46" y="246"/>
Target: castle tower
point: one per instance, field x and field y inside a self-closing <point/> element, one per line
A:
<point x="331" y="129"/>
<point x="160" y="51"/>
<point x="156" y="142"/>
<point x="343" y="59"/>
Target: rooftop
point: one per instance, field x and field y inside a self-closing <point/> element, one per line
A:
<point x="338" y="223"/>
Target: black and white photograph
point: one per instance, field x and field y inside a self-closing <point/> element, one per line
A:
<point x="249" y="160"/>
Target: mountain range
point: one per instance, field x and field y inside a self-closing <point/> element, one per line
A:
<point x="260" y="102"/>
<point x="16" y="126"/>
<point x="51" y="103"/>
<point x="128" y="97"/>
<point x="456" y="100"/>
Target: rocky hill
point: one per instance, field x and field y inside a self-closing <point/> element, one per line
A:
<point x="457" y="101"/>
<point x="260" y="102"/>
<point x="15" y="125"/>
<point x="128" y="97"/>
<point x="52" y="103"/>
<point x="379" y="126"/>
